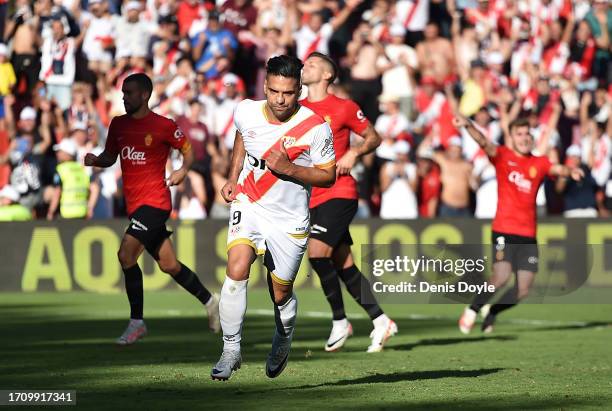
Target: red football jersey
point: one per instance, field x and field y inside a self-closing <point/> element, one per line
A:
<point x="343" y="116"/>
<point x="143" y="145"/>
<point x="518" y="181"/>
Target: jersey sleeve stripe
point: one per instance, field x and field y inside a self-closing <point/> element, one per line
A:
<point x="326" y="165"/>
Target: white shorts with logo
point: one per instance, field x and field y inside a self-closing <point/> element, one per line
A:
<point x="281" y="244"/>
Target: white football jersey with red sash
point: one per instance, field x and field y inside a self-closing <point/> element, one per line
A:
<point x="308" y="141"/>
<point x="270" y="213"/>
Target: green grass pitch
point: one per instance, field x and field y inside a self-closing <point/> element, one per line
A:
<point x="540" y="357"/>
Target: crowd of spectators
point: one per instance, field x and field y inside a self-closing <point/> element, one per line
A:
<point x="409" y="64"/>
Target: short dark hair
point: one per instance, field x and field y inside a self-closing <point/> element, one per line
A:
<point x="519" y="122"/>
<point x="285" y="66"/>
<point x="331" y="63"/>
<point x="142" y="80"/>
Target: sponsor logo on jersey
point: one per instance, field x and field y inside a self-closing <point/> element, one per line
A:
<point x="256" y="162"/>
<point x="327" y="147"/>
<point x="130" y="153"/>
<point x="360" y="115"/>
<point x="519" y="180"/>
<point x="148" y="139"/>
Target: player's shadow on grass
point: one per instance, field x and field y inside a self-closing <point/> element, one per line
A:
<point x="450" y="341"/>
<point x="569" y="327"/>
<point x="404" y="376"/>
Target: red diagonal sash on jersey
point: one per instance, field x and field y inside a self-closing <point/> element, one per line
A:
<point x="256" y="189"/>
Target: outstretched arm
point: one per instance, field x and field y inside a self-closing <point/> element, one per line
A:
<point x="461" y="122"/>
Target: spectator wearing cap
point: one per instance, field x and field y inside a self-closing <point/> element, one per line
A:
<point x="399" y="64"/>
<point x="7" y="76"/>
<point x="212" y="45"/>
<point x="133" y="36"/>
<point x="455" y="174"/>
<point x="578" y="196"/>
<point x="398" y="184"/>
<point x="70" y="189"/>
<point x="58" y="65"/>
<point x="99" y="36"/>
<point x="10" y="209"/>
<point x="429" y="186"/>
<point x="228" y="98"/>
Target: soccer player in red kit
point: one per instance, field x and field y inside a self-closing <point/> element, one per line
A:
<point x="519" y="175"/>
<point x="143" y="140"/>
<point x="332" y="209"/>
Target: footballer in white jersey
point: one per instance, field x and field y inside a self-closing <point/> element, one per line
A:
<point x="281" y="150"/>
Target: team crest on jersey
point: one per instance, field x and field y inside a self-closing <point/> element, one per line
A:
<point x="288" y="141"/>
<point x="148" y="139"/>
<point x="360" y="115"/>
<point x="327" y="119"/>
<point x="533" y="172"/>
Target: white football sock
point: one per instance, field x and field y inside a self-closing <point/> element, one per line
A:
<point x="287" y="314"/>
<point x="232" y="307"/>
<point x="381" y="320"/>
<point x="343" y="323"/>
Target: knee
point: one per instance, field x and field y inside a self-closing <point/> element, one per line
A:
<point x="281" y="297"/>
<point x="318" y="249"/>
<point x="238" y="270"/>
<point x="169" y="267"/>
<point x="126" y="259"/>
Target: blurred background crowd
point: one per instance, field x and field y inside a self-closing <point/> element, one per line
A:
<point x="409" y="64"/>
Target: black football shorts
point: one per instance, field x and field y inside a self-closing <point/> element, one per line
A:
<point x="148" y="225"/>
<point x="521" y="252"/>
<point x="329" y="222"/>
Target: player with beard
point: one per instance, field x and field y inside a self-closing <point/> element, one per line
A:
<point x="143" y="139"/>
<point x="281" y="149"/>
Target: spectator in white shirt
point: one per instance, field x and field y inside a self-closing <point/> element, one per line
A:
<point x="398" y="184"/>
<point x="133" y="35"/>
<point x="58" y="65"/>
